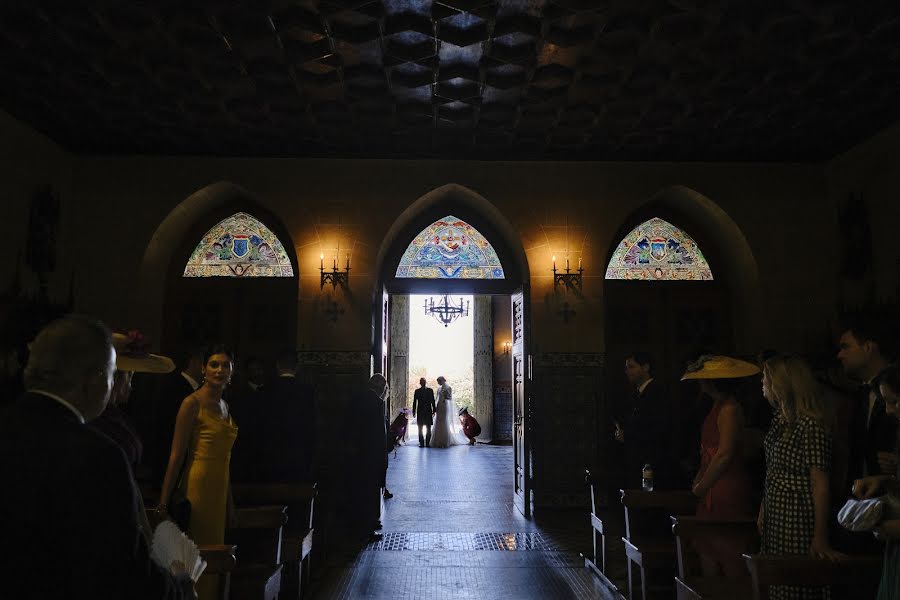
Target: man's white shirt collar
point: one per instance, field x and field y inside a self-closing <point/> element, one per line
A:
<point x="644" y="385"/>
<point x="193" y="382"/>
<point x="61" y="401"/>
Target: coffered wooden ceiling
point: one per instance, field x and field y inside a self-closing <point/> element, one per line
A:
<point x="502" y="79"/>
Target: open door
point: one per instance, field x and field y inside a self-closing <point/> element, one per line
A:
<point x="380" y="354"/>
<point x="521" y="389"/>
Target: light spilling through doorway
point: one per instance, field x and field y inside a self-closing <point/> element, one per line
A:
<point x="436" y="350"/>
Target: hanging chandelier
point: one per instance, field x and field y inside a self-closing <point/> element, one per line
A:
<point x="445" y="311"/>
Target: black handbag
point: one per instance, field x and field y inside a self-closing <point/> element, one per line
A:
<point x="179" y="505"/>
<point x="180" y="510"/>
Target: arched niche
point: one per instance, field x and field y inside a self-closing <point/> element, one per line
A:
<point x="724" y="246"/>
<point x="674" y="320"/>
<point x="161" y="282"/>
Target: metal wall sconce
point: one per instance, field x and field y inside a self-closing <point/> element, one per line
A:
<point x="569" y="279"/>
<point x="507" y="347"/>
<point x="334" y="277"/>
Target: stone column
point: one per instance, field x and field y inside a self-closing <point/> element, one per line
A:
<point x="399" y="353"/>
<point x="484" y="367"/>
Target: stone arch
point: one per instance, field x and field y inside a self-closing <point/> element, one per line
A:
<point x="732" y="255"/>
<point x="476" y="210"/>
<point x="169" y="237"/>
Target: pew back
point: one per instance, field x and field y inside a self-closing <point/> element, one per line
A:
<point x="857" y="573"/>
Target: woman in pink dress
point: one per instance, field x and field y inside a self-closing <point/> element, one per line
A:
<point x="723" y="484"/>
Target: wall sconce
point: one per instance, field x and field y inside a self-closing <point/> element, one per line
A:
<point x="334" y="277"/>
<point x="571" y="280"/>
<point x="507" y="347"/>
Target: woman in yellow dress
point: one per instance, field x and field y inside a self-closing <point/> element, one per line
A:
<point x="204" y="435"/>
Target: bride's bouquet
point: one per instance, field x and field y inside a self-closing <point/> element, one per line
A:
<point x="169" y="544"/>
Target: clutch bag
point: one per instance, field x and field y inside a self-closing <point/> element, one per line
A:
<point x="861" y="515"/>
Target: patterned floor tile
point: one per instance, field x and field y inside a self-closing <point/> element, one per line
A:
<point x="451" y="533"/>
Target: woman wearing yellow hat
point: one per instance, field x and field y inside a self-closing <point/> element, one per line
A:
<point x="723" y="484"/>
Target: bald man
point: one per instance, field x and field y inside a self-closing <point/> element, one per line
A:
<point x="69" y="510"/>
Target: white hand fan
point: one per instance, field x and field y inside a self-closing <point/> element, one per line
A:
<point x="170" y="544"/>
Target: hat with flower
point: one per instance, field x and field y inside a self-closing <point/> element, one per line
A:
<point x="132" y="354"/>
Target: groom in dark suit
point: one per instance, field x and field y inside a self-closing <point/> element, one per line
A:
<point x="423" y="411"/>
<point x="69" y="511"/>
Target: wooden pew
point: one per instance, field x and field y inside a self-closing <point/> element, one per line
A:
<point x="690" y="583"/>
<point x="598" y="562"/>
<point x="220" y="559"/>
<point x="258" y="536"/>
<point x="860" y="574"/>
<point x="648" y="534"/>
<point x="297" y="544"/>
<point x="220" y="562"/>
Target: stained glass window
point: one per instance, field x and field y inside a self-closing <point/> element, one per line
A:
<point x="239" y="246"/>
<point x="657" y="250"/>
<point x="450" y="248"/>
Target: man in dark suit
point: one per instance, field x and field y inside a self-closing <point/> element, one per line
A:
<point x="423" y="410"/>
<point x="172" y="389"/>
<point x="366" y="458"/>
<point x="644" y="430"/>
<point x="873" y="432"/>
<point x="288" y="414"/>
<point x="70" y="505"/>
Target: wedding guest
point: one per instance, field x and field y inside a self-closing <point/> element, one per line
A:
<point x="794" y="515"/>
<point x="68" y="487"/>
<point x="723" y="484"/>
<point x="367" y="456"/>
<point x="863" y="353"/>
<point x="644" y="431"/>
<point x="889" y="529"/>
<point x="289" y="407"/>
<point x="172" y="389"/>
<point x="131" y="357"/>
<point x="470" y="425"/>
<point x="201" y="455"/>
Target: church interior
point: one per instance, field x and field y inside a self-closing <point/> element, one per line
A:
<point x="606" y="193"/>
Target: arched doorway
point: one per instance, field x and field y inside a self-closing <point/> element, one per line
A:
<point x="679" y="282"/>
<point x="447" y="207"/>
<point x="232" y="277"/>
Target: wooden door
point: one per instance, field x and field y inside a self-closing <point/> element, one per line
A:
<point x="521" y="378"/>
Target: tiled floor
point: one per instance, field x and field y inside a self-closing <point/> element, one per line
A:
<point x="451" y="532"/>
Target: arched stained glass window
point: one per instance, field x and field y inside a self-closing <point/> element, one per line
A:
<point x="657" y="250"/>
<point x="450" y="248"/>
<point x="239" y="246"/>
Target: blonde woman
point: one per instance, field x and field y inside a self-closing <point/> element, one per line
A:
<point x="793" y="517"/>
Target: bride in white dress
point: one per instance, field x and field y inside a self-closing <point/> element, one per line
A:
<point x="446" y="431"/>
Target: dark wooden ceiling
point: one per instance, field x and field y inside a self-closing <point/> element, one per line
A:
<point x="504" y="79"/>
